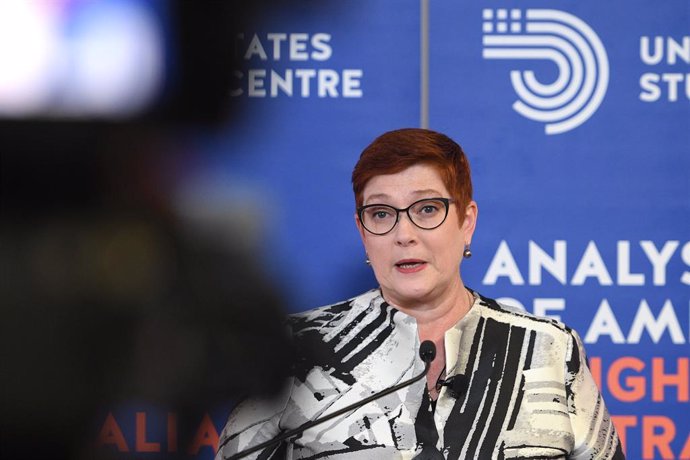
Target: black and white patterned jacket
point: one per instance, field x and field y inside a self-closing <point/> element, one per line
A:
<point x="526" y="391"/>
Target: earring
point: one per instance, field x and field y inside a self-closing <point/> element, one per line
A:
<point x="368" y="262"/>
<point x="467" y="253"/>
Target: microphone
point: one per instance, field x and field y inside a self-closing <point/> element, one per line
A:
<point x="427" y="353"/>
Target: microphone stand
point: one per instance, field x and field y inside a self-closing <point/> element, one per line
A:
<point x="427" y="351"/>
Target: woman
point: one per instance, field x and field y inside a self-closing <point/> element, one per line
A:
<point x="504" y="384"/>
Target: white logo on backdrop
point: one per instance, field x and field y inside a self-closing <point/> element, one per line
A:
<point x="564" y="39"/>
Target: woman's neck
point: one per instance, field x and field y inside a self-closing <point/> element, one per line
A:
<point x="432" y="324"/>
<point x="435" y="317"/>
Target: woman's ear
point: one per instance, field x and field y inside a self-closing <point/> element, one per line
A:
<point x="360" y="229"/>
<point x="470" y="221"/>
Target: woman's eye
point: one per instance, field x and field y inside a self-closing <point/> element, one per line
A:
<point x="381" y="214"/>
<point x="427" y="210"/>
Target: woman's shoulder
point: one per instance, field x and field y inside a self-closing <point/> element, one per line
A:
<point x="332" y="315"/>
<point x="553" y="340"/>
<point x="517" y="317"/>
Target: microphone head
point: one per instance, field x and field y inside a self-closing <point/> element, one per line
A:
<point x="427" y="351"/>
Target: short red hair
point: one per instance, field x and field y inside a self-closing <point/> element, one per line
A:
<point x="397" y="150"/>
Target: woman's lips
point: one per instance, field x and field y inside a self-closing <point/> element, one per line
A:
<point x="410" y="265"/>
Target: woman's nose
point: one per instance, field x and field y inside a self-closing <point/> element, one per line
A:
<point x="405" y="230"/>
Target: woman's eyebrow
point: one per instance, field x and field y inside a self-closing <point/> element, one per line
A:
<point x="382" y="197"/>
<point x="428" y="191"/>
<point x="377" y="196"/>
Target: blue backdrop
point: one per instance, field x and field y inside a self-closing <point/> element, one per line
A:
<point x="576" y="119"/>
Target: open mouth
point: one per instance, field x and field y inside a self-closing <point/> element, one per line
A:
<point x="410" y="264"/>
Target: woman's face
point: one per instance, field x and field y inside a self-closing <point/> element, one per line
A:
<point x="415" y="266"/>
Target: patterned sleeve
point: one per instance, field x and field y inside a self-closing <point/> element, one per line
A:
<point x="252" y="422"/>
<point x="594" y="432"/>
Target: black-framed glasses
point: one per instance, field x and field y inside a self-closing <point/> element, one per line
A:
<point x="426" y="214"/>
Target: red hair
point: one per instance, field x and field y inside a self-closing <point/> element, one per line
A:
<point x="397" y="150"/>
